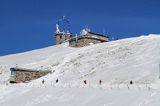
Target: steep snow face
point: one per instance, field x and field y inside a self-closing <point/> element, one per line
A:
<point x="115" y="63"/>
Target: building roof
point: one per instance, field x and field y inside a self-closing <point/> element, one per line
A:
<point x="98" y="34"/>
<point x="27" y="70"/>
<point x="81" y="37"/>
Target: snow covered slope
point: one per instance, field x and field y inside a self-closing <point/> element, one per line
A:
<point x="116" y="63"/>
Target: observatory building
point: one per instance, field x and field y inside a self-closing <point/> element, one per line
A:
<point x="85" y="38"/>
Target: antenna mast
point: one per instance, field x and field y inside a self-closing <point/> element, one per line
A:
<point x="64" y="24"/>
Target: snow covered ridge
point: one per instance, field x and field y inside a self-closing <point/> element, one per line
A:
<point x="116" y="63"/>
<point x="106" y="57"/>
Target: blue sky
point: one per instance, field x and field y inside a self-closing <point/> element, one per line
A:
<point x="30" y="24"/>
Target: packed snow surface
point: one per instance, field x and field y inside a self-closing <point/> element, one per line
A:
<point x="115" y="63"/>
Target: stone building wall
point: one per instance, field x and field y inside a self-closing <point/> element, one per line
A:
<point x="88" y="39"/>
<point x="23" y="76"/>
<point x="97" y="36"/>
<point x="61" y="37"/>
<point x="83" y="42"/>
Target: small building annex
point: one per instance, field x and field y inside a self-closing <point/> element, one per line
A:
<point x="26" y="75"/>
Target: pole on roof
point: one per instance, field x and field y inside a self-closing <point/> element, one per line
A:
<point x="76" y="37"/>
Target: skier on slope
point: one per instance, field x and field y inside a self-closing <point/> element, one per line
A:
<point x="56" y="80"/>
<point x="43" y="81"/>
<point x="131" y="82"/>
<point x="100" y="82"/>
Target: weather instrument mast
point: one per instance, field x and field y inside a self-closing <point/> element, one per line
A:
<point x="64" y="24"/>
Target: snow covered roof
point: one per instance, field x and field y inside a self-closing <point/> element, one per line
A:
<point x="27" y="70"/>
<point x="98" y="34"/>
<point x="89" y="37"/>
<point x="83" y="32"/>
<point x="81" y="37"/>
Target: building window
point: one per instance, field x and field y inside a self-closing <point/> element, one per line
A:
<point x="60" y="36"/>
